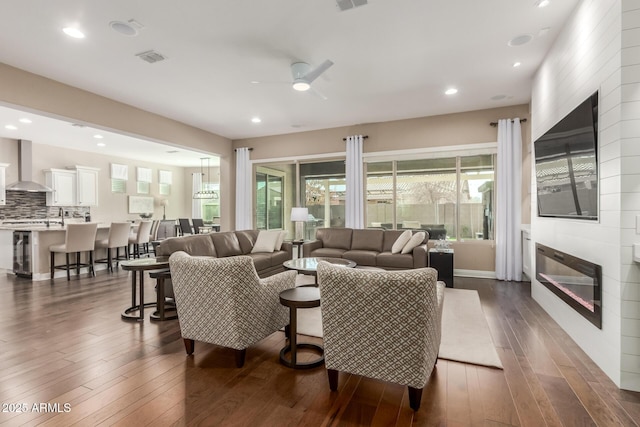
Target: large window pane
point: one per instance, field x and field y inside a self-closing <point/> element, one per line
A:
<point x="380" y="195"/>
<point x="476" y="197"/>
<point x="323" y="184"/>
<point x="426" y="194"/>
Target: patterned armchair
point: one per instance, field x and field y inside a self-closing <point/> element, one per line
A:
<point x="222" y="301"/>
<point x="381" y="324"/>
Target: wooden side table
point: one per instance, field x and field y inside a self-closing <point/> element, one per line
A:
<point x="139" y="266"/>
<point x="161" y="301"/>
<point x="295" y="298"/>
<point x="442" y="260"/>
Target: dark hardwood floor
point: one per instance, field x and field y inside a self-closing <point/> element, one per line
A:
<point x="64" y="343"/>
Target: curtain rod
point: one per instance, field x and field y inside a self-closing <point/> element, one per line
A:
<point x="250" y="149"/>
<point x="494" y="124"/>
<point x="363" y="137"/>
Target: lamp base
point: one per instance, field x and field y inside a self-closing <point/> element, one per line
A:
<point x="299" y="230"/>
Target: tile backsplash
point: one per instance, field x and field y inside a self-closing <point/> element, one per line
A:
<point x="25" y="205"/>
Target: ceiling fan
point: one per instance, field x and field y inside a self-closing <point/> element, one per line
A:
<point x="303" y="75"/>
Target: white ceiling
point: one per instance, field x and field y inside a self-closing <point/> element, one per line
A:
<point x="393" y="59"/>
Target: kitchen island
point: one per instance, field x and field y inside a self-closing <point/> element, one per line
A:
<point x="31" y="245"/>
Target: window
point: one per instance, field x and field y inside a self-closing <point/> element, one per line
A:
<point x="450" y="197"/>
<point x="119" y="176"/>
<point x="143" y="180"/>
<point x="164" y="180"/>
<point x="211" y="207"/>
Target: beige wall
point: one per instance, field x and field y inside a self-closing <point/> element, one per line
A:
<point x="412" y="134"/>
<point x="20" y="89"/>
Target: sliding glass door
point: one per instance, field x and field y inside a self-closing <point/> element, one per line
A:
<point x="323" y="186"/>
<point x="269" y="201"/>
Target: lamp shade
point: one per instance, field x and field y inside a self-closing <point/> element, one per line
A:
<point x="299" y="214"/>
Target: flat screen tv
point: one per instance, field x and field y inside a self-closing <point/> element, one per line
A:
<point x="567" y="165"/>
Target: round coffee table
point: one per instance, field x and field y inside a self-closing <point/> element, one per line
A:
<point x="295" y="298"/>
<point x="310" y="265"/>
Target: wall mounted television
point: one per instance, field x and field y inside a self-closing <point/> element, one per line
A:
<point x="567" y="165"/>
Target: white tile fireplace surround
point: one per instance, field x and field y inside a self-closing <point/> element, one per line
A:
<point x="598" y="50"/>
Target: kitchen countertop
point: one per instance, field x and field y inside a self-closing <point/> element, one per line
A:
<point x="42" y="227"/>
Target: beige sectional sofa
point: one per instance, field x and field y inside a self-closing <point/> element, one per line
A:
<point x="367" y="247"/>
<point x="229" y="243"/>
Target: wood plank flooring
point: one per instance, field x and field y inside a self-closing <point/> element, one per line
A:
<point x="64" y="343"/>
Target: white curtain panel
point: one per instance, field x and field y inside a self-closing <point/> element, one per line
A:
<point x="244" y="217"/>
<point x="196" y="204"/>
<point x="508" y="198"/>
<point x="354" y="198"/>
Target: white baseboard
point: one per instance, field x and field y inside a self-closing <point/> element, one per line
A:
<point x="480" y="274"/>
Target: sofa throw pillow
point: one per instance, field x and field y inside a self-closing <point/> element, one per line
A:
<point x="415" y="240"/>
<point x="266" y="241"/>
<point x="280" y="240"/>
<point x="400" y="242"/>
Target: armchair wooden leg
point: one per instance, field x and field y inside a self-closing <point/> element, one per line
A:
<point x="189" y="345"/>
<point x="415" y="396"/>
<point x="333" y="379"/>
<point x="53" y="260"/>
<point x="240" y="356"/>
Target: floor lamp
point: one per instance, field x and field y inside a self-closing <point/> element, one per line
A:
<point x="299" y="216"/>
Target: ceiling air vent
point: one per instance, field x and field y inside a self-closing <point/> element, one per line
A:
<point x="349" y="4"/>
<point x="151" y="56"/>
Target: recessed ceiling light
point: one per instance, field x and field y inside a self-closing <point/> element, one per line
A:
<point x="101" y="144"/>
<point x="256" y="120"/>
<point x="98" y="136"/>
<point x="10" y="127"/>
<point x="520" y="40"/>
<point x="25" y="120"/>
<point x="73" y="32"/>
<point x="123" y="28"/>
<point x="542" y="3"/>
<point x="451" y="91"/>
<point x="516" y="64"/>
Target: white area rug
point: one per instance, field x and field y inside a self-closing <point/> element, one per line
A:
<point x="465" y="332"/>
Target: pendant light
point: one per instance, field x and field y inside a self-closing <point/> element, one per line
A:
<point x="205" y="194"/>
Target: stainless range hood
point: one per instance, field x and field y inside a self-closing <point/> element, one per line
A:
<point x="25" y="182"/>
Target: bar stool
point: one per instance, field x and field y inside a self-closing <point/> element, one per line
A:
<point x="78" y="238"/>
<point x="140" y="238"/>
<point x="118" y="238"/>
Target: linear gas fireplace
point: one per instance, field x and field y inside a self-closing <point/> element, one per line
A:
<point x="576" y="281"/>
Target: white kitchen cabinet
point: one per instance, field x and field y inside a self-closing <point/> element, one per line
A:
<point x="64" y="185"/>
<point x="87" y="186"/>
<point x="6" y="249"/>
<point x="3" y="183"/>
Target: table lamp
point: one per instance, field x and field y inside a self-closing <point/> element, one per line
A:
<point x="299" y="216"/>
